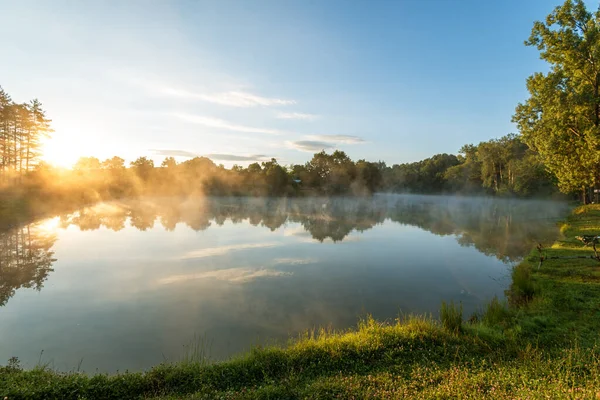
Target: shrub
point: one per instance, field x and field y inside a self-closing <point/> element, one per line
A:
<point x="522" y="288"/>
<point x="496" y="313"/>
<point x="451" y="316"/>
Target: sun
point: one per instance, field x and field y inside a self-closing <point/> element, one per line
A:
<point x="58" y="153"/>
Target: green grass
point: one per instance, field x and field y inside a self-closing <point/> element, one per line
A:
<point x="451" y="316"/>
<point x="541" y="344"/>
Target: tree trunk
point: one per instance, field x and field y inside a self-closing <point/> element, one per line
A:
<point x="28" y="151"/>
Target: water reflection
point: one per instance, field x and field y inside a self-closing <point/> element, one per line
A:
<point x="502" y="228"/>
<point x="25" y="259"/>
<point x="505" y="229"/>
<point x="137" y="279"/>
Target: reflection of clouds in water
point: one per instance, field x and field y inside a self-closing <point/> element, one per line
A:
<point x="234" y="275"/>
<point x="222" y="250"/>
<point x="297" y="231"/>
<point x="294" y="261"/>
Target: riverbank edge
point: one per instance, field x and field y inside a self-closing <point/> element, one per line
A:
<point x="542" y="343"/>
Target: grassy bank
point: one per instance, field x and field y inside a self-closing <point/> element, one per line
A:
<point x="542" y="345"/>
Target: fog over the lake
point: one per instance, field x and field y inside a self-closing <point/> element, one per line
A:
<point x="126" y="284"/>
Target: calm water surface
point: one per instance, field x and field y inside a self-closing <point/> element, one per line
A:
<point x="126" y="285"/>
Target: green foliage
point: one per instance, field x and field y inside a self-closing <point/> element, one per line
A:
<point x="498" y="166"/>
<point x="426" y="176"/>
<point x="22" y="127"/>
<point x="451" y="316"/>
<point x="13" y="365"/>
<point x="561" y="118"/>
<point x="522" y="287"/>
<point x="197" y="351"/>
<point x="411" y="359"/>
<point x="496" y="313"/>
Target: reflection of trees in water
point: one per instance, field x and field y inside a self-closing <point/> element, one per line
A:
<point x="25" y="259"/>
<point x="337" y="218"/>
<point x="500" y="227"/>
<point x="503" y="228"/>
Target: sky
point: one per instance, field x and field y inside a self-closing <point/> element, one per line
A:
<point x="243" y="81"/>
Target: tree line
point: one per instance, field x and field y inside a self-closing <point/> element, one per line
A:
<point x="324" y="174"/>
<point x="22" y="127"/>
<point x="502" y="166"/>
<point x="505" y="166"/>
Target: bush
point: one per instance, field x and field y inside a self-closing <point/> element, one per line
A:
<point x="496" y="313"/>
<point x="522" y="288"/>
<point x="451" y="316"/>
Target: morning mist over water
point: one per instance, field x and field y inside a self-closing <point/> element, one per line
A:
<point x="125" y="285"/>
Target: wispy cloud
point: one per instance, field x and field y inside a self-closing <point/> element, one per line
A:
<point x="324" y="142"/>
<point x="173" y="153"/>
<point x="294" y="261"/>
<point x="296" y="115"/>
<point x="235" y="157"/>
<point x="222" y="124"/>
<point x="235" y="97"/>
<point x="234" y="275"/>
<point x="310" y="145"/>
<point x="344" y="139"/>
<point x="212" y="156"/>
<point x="231" y="98"/>
<point x="222" y="250"/>
<point x="296" y="231"/>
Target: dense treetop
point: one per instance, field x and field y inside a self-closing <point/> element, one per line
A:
<point x="561" y="118"/>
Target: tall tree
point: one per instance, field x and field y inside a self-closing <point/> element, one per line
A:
<point x="114" y="164"/>
<point x="5" y="117"/>
<point x="561" y="118"/>
<point x="22" y="127"/>
<point x="87" y="164"/>
<point x="143" y="167"/>
<point x="169" y="162"/>
<point x="466" y="176"/>
<point x="39" y="129"/>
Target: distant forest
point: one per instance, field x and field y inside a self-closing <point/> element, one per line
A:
<point x="504" y="166"/>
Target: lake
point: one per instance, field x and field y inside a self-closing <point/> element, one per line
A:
<point x="126" y="285"/>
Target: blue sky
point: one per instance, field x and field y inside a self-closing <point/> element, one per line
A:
<point x="242" y="80"/>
